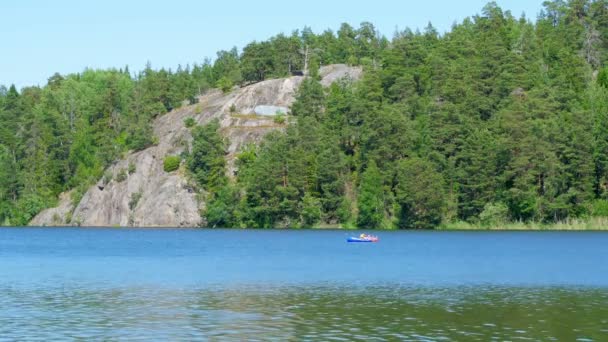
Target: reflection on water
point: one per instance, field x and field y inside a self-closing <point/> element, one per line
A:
<point x="330" y="312"/>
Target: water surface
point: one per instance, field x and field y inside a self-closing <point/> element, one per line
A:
<point x="130" y="284"/>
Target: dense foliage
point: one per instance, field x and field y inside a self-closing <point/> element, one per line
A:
<point x="499" y="119"/>
<point x="171" y="163"/>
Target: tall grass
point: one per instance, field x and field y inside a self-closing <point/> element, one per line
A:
<point x="594" y="223"/>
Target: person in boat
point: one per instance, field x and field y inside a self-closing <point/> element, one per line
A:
<point x="363" y="236"/>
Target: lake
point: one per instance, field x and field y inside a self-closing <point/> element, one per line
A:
<point x="182" y="285"/>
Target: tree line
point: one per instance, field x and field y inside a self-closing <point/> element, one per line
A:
<point x="501" y="119"/>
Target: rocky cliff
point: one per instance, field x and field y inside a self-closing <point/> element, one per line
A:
<point x="136" y="191"/>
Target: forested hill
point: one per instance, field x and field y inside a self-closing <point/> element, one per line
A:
<point x="500" y="119"/>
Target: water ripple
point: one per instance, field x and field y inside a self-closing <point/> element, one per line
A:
<point x="303" y="313"/>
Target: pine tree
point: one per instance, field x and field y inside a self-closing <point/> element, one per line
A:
<point x="420" y="194"/>
<point x="371" y="198"/>
<point x="206" y="160"/>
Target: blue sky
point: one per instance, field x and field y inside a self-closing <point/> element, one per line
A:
<point x="40" y="37"/>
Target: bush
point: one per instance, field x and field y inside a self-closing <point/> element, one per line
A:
<point x="600" y="208"/>
<point x="78" y="193"/>
<point x="135" y="197"/>
<point x="247" y="156"/>
<point x="189" y="122"/>
<point x="494" y="214"/>
<point x="279" y="119"/>
<point x="602" y="78"/>
<point x="139" y="138"/>
<point x="56" y="218"/>
<point x="132" y="168"/>
<point x="158" y="108"/>
<point x="107" y="177"/>
<point x="171" y="163"/>
<point x="68" y="218"/>
<point x="232" y="109"/>
<point x="28" y="206"/>
<point x="225" y="84"/>
<point x="121" y="176"/>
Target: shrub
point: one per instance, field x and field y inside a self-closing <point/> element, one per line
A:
<point x="121" y="176"/>
<point x="158" y="108"/>
<point x="247" y="156"/>
<point x="193" y="100"/>
<point x="139" y="138"/>
<point x="232" y="108"/>
<point x="602" y="78"/>
<point x="107" y="177"/>
<point x="68" y="218"/>
<point x="189" y="122"/>
<point x="494" y="214"/>
<point x="352" y="60"/>
<point x="600" y="208"/>
<point x="27" y="207"/>
<point x="171" y="163"/>
<point x="135" y="197"/>
<point x="77" y="221"/>
<point x="279" y="119"/>
<point x="225" y="84"/>
<point x="132" y="168"/>
<point x="77" y="194"/>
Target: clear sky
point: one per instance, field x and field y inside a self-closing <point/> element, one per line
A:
<point x="41" y="37"/>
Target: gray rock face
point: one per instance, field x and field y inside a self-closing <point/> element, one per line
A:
<point x="58" y="216"/>
<point x="148" y="197"/>
<point x="335" y="72"/>
<point x="136" y="191"/>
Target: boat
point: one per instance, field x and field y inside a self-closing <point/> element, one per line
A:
<point x="363" y="238"/>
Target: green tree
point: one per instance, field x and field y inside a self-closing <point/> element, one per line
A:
<point x="371" y="198"/>
<point x="206" y="160"/>
<point x="227" y="66"/>
<point x="257" y="61"/>
<point x="420" y="194"/>
<point x="310" y="99"/>
<point x="222" y="208"/>
<point x="311" y="211"/>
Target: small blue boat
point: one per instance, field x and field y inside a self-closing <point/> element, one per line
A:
<point x="354" y="239"/>
<point x="367" y="238"/>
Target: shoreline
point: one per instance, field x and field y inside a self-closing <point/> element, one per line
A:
<point x="462" y="227"/>
<point x="590" y="224"/>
